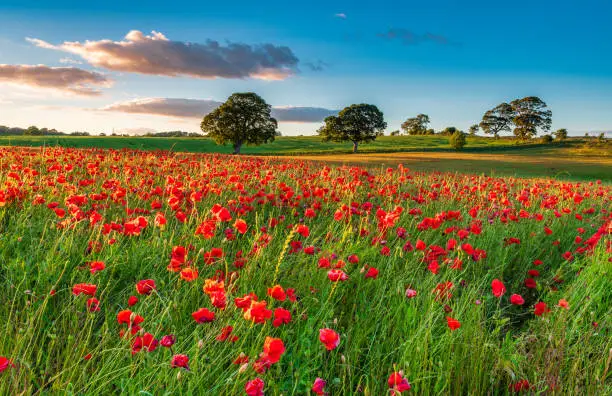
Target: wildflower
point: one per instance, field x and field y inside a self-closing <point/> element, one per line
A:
<point x="329" y="338"/>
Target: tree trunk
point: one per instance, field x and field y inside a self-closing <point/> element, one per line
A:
<point x="237" y="147"/>
<point x="355" y="144"/>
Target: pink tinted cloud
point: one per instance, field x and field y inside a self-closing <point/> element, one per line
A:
<point x="67" y="79"/>
<point x="155" y="54"/>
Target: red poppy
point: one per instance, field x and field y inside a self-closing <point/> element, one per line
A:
<point x="145" y="286"/>
<point x="5" y="363"/>
<point x="397" y="383"/>
<point x="281" y="316"/>
<point x="277" y="293"/>
<point x="93" y="304"/>
<point x="132" y="300"/>
<point x="189" y="274"/>
<point x="203" y="315"/>
<point x="452" y="323"/>
<point x="336" y="275"/>
<point x="318" y="387"/>
<point x="329" y="338"/>
<point x="84" y="288"/>
<point x="540" y="309"/>
<point x="516" y="299"/>
<point x="273" y="349"/>
<point x="498" y="288"/>
<point x="181" y="361"/>
<point x="168" y="340"/>
<point x="255" y="387"/>
<point x="257" y="312"/>
<point x="96" y="266"/>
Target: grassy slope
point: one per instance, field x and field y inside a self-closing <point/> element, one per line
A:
<point x="482" y="155"/>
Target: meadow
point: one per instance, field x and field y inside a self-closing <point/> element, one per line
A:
<point x="155" y="272"/>
<point x="574" y="159"/>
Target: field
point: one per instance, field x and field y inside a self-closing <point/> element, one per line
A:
<point x="140" y="272"/>
<point x="572" y="160"/>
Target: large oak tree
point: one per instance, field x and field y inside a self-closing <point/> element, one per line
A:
<point x="356" y="123"/>
<point x="243" y="119"/>
<point x="530" y="114"/>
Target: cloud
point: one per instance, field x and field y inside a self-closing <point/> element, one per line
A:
<point x="155" y="54"/>
<point x="317" y="66"/>
<point x="340" y="15"/>
<point x="67" y="79"/>
<point x="407" y="37"/>
<point x="197" y="108"/>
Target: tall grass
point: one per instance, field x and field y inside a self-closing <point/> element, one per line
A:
<point x="498" y="344"/>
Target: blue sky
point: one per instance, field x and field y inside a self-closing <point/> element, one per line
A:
<point x="452" y="60"/>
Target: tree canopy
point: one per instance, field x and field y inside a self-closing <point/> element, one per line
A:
<point x="497" y="119"/>
<point x="561" y="134"/>
<point x="244" y="118"/>
<point x="530" y="114"/>
<point x="416" y="125"/>
<point x="356" y="123"/>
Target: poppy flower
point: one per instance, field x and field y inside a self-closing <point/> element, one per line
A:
<point x="181" y="361"/>
<point x="257" y="312"/>
<point x="254" y="387"/>
<point x="132" y="300"/>
<point x="329" y="338"/>
<point x="146" y="342"/>
<point x="563" y="303"/>
<point x="5" y="363"/>
<point x="410" y="293"/>
<point x="397" y="383"/>
<point x="540" y="308"/>
<point x="168" y="340"/>
<point x="93" y="304"/>
<point x="336" y="275"/>
<point x="203" y="315"/>
<point x="277" y="293"/>
<point x="516" y="299"/>
<point x="226" y="334"/>
<point x="281" y="316"/>
<point x="452" y="323"/>
<point x="240" y="225"/>
<point x="189" y="274"/>
<point x="273" y="349"/>
<point x="318" y="387"/>
<point x="498" y="288"/>
<point x="96" y="266"/>
<point x="84" y="288"/>
<point x="145" y="286"/>
<point x="371" y="273"/>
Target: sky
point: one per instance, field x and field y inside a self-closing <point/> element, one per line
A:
<point x="134" y="66"/>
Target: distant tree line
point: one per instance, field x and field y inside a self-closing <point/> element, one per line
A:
<point x="35" y="131"/>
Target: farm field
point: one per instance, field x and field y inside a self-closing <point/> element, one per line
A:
<point x="503" y="157"/>
<point x="144" y="272"/>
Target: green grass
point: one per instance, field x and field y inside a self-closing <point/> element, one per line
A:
<point x="381" y="330"/>
<point x="285" y="145"/>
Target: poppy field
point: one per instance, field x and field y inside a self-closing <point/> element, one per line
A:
<point x="126" y="271"/>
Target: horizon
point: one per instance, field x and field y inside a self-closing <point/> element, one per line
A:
<point x="108" y="66"/>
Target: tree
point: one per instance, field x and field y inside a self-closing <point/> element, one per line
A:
<point x="547" y="139"/>
<point x="356" y="123"/>
<point x="531" y="114"/>
<point x="449" y="131"/>
<point x="497" y="119"/>
<point x="457" y="140"/>
<point x="561" y="134"/>
<point x="244" y="118"/>
<point x="395" y="133"/>
<point x="416" y="125"/>
<point x="474" y="129"/>
<point x="33" y="130"/>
